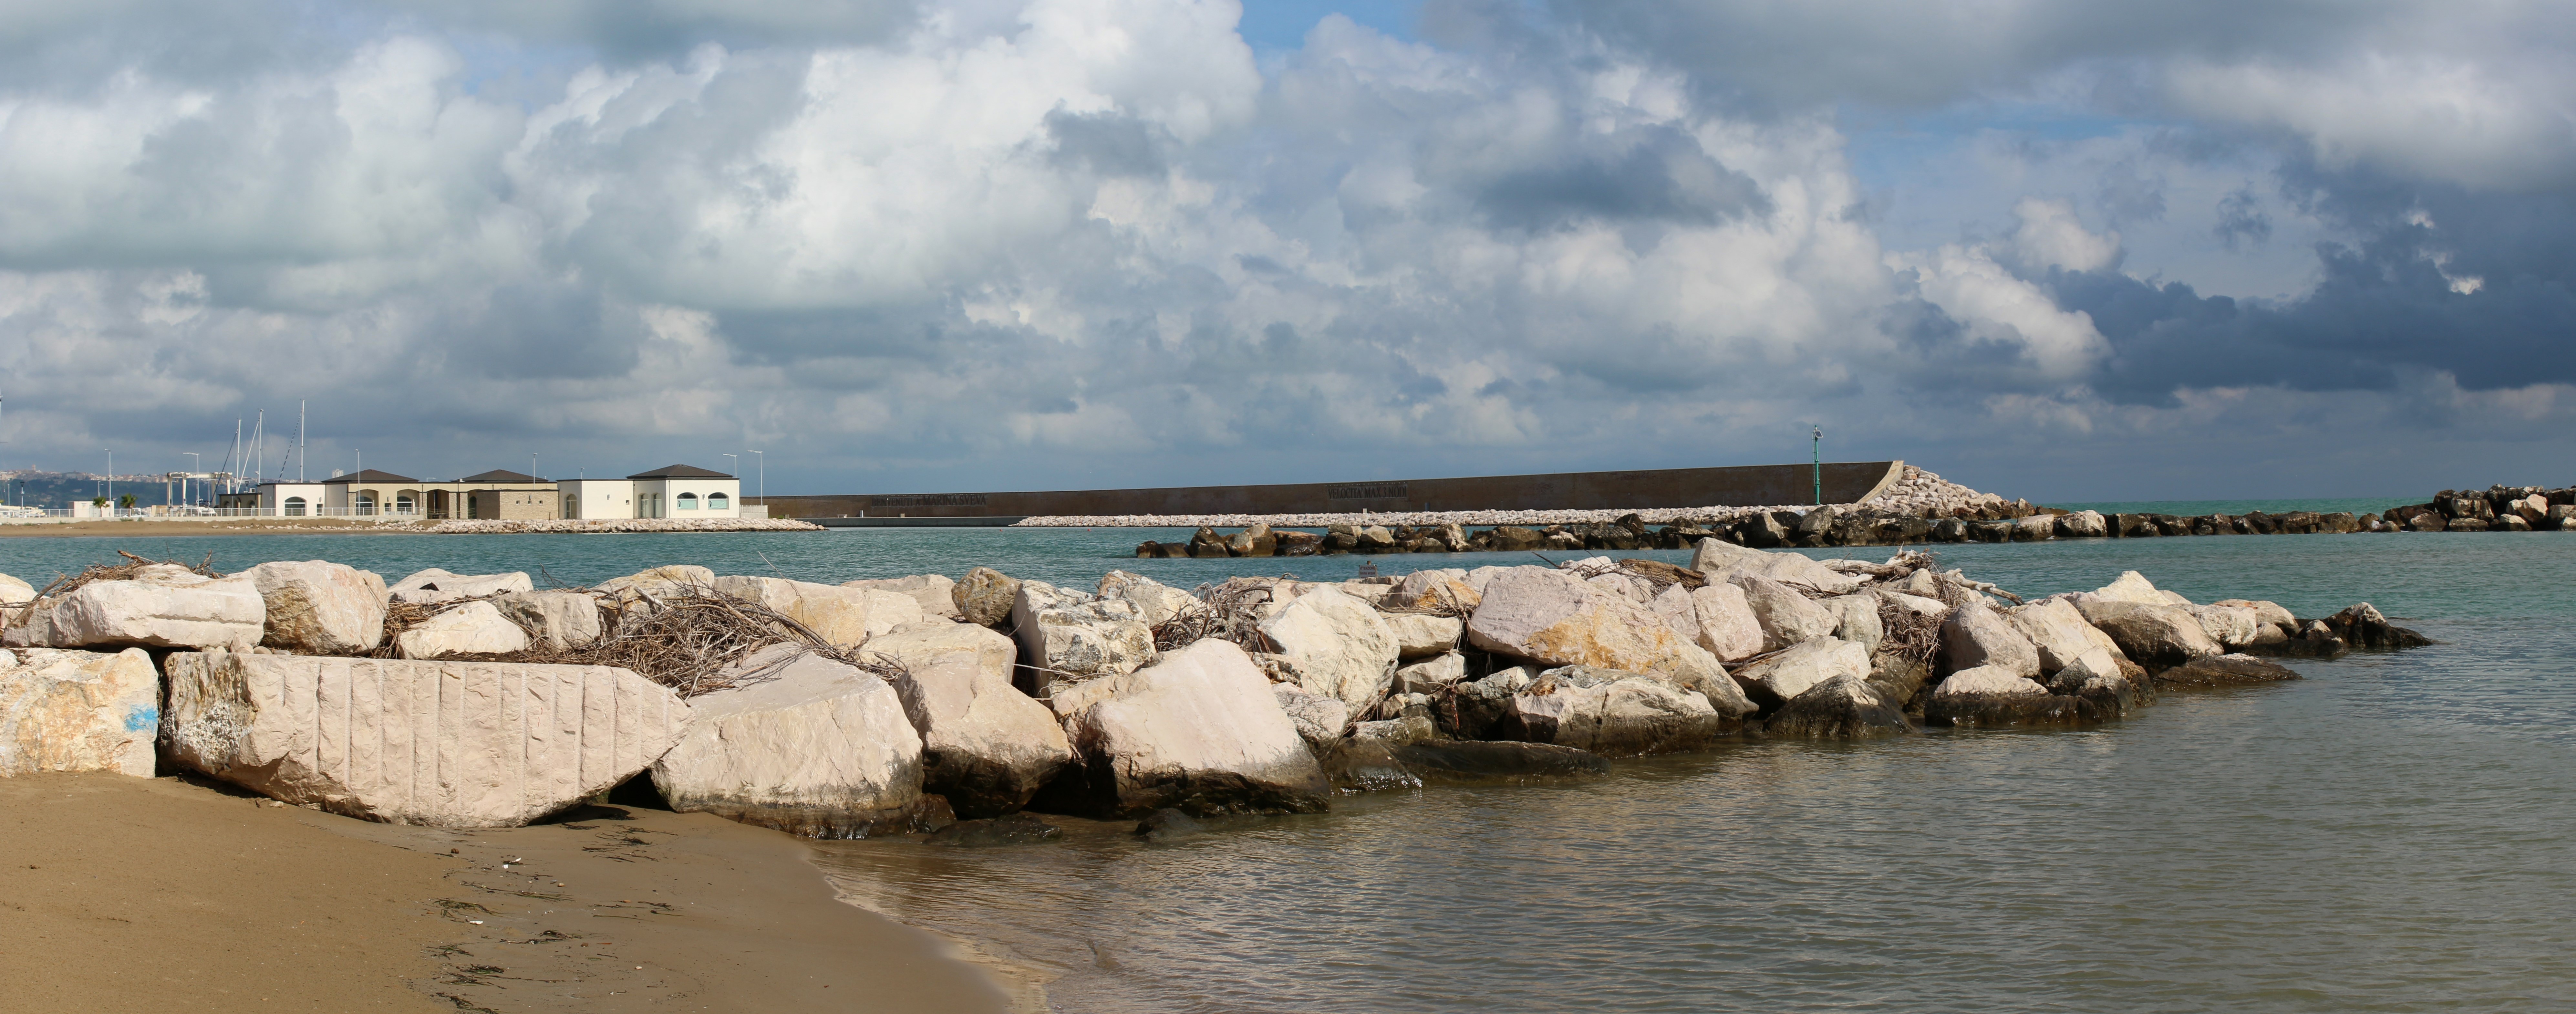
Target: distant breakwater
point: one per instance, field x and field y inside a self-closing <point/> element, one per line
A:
<point x="2497" y="508"/>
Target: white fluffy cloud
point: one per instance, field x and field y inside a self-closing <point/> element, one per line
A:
<point x="1001" y="243"/>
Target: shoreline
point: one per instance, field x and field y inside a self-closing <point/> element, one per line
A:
<point x="265" y="906"/>
<point x="170" y="528"/>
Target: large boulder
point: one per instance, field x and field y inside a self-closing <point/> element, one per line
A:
<point x="936" y="593"/>
<point x="1432" y="675"/>
<point x="1067" y="635"/>
<point x="2082" y="525"/>
<point x="651" y="581"/>
<point x="1780" y="678"/>
<point x="78" y="711"/>
<point x="1856" y="619"/>
<point x="1420" y="634"/>
<point x="2361" y="626"/>
<point x="15" y="592"/>
<point x="1612" y="713"/>
<point x="320" y="608"/>
<point x="1723" y="561"/>
<point x="2234" y="628"/>
<point x="1199" y="731"/>
<point x="1787" y="617"/>
<point x="1975" y="635"/>
<point x="2211" y="671"/>
<point x="2155" y="636"/>
<point x="985" y="746"/>
<point x="1156" y="603"/>
<point x="1321" y="719"/>
<point x="1559" y="619"/>
<point x="812" y="746"/>
<point x="475" y="628"/>
<point x="839" y="615"/>
<point x="1728" y="628"/>
<point x="433" y="586"/>
<point x="986" y="597"/>
<point x="1845" y="707"/>
<point x="2131" y="586"/>
<point x="2057" y="630"/>
<point x="1340" y="645"/>
<point x="445" y="744"/>
<point x="558" y="620"/>
<point x="162" y="606"/>
<point x="1991" y="697"/>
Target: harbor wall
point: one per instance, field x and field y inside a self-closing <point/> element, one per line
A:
<point x="1738" y="486"/>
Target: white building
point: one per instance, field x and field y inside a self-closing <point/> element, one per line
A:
<point x="672" y="491"/>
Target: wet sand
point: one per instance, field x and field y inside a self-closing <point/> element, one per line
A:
<point x="120" y="893"/>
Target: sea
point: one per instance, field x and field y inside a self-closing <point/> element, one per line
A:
<point x="2395" y="832"/>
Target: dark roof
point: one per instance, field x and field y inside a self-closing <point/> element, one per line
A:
<point x="501" y="475"/>
<point x="680" y="472"/>
<point x="368" y="475"/>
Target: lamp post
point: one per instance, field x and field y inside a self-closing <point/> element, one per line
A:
<point x="1818" y="451"/>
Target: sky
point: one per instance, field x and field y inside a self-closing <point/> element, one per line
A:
<point x="2072" y="250"/>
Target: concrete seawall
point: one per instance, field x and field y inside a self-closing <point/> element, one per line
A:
<point x="1740" y="486"/>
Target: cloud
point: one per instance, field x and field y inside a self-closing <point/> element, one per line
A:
<point x="1095" y="242"/>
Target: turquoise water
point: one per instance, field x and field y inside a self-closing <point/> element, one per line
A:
<point x="2193" y="508"/>
<point x="2397" y="832"/>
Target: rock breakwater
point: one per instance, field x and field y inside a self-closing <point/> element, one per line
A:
<point x="867" y="709"/>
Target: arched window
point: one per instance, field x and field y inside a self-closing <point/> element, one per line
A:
<point x="404" y="504"/>
<point x="294" y="506"/>
<point x="718" y="501"/>
<point x="688" y="501"/>
<point x="363" y="504"/>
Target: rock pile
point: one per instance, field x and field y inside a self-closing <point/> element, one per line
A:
<point x="2494" y="509"/>
<point x="870" y="708"/>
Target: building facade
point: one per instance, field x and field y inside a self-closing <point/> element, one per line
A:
<point x="677" y="491"/>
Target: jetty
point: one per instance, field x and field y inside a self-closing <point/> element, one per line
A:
<point x="965" y="707"/>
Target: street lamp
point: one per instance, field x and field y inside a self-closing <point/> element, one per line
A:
<point x="1818" y="450"/>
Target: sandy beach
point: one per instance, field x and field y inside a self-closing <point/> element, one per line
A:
<point x="126" y="894"/>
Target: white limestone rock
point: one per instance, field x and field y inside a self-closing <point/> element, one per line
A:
<point x="1723" y="561"/>
<point x="444" y="744"/>
<point x="162" y="606"/>
<point x="557" y="619"/>
<point x="816" y="748"/>
<point x="475" y="628"/>
<point x="1988" y="679"/>
<point x="434" y="585"/>
<point x="1856" y="619"/>
<point x="985" y="597"/>
<point x="1156" y="603"/>
<point x="2058" y="632"/>
<point x="1786" y="616"/>
<point x="936" y="593"/>
<point x="78" y="711"/>
<point x="1976" y="635"/>
<point x="316" y="607"/>
<point x="656" y="581"/>
<point x="2232" y="627"/>
<point x="1780" y="678"/>
<point x="1201" y="731"/>
<point x="839" y="615"/>
<point x="15" y="592"/>
<point x="2130" y="587"/>
<point x="985" y="745"/>
<point x="1728" y="628"/>
<point x="1322" y="720"/>
<point x="2154" y="636"/>
<point x="1556" y="617"/>
<point x="1612" y="713"/>
<point x="1432" y="675"/>
<point x="1421" y="634"/>
<point x="1341" y="646"/>
<point x="1069" y="636"/>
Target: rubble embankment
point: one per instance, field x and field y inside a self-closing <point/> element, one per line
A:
<point x="964" y="708"/>
<point x="1941" y="516"/>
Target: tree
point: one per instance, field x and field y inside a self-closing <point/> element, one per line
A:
<point x="126" y="501"/>
<point x="98" y="501"/>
